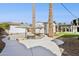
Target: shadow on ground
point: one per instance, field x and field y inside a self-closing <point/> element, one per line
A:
<point x="2" y="35"/>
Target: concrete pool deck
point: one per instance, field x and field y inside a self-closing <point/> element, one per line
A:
<point x="44" y="42"/>
<point x="30" y="48"/>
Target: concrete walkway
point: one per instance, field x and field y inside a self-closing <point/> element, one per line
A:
<point x="44" y="42"/>
<point x="14" y="48"/>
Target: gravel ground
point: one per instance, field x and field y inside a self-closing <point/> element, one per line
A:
<point x="70" y="46"/>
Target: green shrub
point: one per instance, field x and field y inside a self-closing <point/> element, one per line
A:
<point x="4" y="25"/>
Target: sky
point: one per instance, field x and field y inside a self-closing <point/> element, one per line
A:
<point x="22" y="12"/>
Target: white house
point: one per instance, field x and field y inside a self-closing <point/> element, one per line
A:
<point x="18" y="30"/>
<point x="39" y="27"/>
<point x="14" y="29"/>
<point x="42" y="27"/>
<point x="21" y="30"/>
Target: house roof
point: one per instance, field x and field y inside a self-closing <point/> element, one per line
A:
<point x="23" y="26"/>
<point x="45" y="22"/>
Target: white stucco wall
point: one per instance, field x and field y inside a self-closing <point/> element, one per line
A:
<point x="54" y="27"/>
<point x="14" y="29"/>
<point x="41" y="30"/>
<point x="74" y="28"/>
<point x="42" y="25"/>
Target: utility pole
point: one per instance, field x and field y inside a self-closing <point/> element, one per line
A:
<point x="33" y="18"/>
<point x="50" y="22"/>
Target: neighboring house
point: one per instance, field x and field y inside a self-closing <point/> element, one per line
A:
<point x="18" y="30"/>
<point x="64" y="28"/>
<point x="75" y="25"/>
<point x="15" y="30"/>
<point x="39" y="28"/>
<point x="42" y="27"/>
<point x="22" y="30"/>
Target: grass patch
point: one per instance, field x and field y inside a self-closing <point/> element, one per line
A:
<point x="68" y="34"/>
